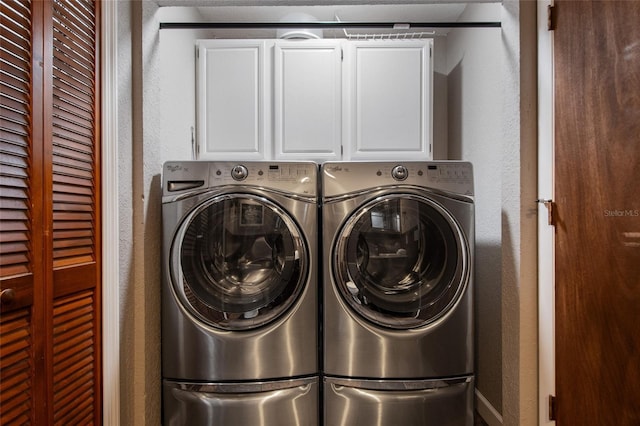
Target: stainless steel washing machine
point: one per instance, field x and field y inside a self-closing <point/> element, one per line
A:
<point x="239" y="294"/>
<point x="398" y="247"/>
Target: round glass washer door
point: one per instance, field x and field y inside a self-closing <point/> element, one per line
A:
<point x="401" y="261"/>
<point x="239" y="261"/>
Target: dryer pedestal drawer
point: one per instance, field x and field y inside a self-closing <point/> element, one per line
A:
<point x="389" y="403"/>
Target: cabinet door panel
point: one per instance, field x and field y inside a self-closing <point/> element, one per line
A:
<point x="230" y="100"/>
<point x="389" y="99"/>
<point x="308" y="100"/>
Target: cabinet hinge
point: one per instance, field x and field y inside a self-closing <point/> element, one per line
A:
<point x="551" y="211"/>
<point x="195" y="149"/>
<point x="552" y="407"/>
<point x="551" y="18"/>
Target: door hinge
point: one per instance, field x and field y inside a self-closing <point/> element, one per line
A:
<point x="551" y="211"/>
<point x="551" y="18"/>
<point x="552" y="407"/>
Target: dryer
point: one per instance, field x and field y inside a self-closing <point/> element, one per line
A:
<point x="398" y="247"/>
<point x="239" y="293"/>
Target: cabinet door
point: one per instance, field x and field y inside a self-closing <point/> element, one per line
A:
<point x="231" y="99"/>
<point x="307" y="100"/>
<point x="389" y="99"/>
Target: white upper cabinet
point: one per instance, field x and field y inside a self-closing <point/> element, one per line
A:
<point x="316" y="100"/>
<point x="231" y="99"/>
<point x="388" y="101"/>
<point x="307" y="115"/>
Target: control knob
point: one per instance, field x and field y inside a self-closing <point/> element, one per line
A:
<point x="239" y="172"/>
<point x="399" y="173"/>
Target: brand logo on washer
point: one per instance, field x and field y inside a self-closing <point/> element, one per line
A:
<point x="174" y="168"/>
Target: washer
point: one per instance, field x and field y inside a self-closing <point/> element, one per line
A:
<point x="239" y="295"/>
<point x="398" y="247"/>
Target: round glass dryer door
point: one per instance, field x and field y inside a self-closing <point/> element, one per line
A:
<point x="239" y="262"/>
<point x="401" y="261"/>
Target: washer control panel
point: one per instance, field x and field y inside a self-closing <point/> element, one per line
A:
<point x="298" y="178"/>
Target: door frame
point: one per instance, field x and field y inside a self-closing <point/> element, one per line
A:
<point x="110" y="216"/>
<point x="546" y="232"/>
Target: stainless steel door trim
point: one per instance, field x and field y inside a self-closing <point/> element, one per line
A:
<point x="175" y="212"/>
<point x="344" y="207"/>
<point x="191" y="199"/>
<point x="360" y="292"/>
<point x="209" y="192"/>
<point x="244" y="387"/>
<point x="408" y="189"/>
<point x="203" y="305"/>
<point x="398" y="385"/>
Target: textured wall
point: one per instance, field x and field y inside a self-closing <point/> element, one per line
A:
<point x="177" y="80"/>
<point x="475" y="73"/>
<point x="125" y="181"/>
<point x="139" y="157"/>
<point x="519" y="220"/>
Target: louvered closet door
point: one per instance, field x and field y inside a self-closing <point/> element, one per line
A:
<point x="50" y="256"/>
<point x="75" y="213"/>
<point x="20" y="254"/>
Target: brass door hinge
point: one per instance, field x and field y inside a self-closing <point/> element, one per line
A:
<point x="551" y="18"/>
<point x="552" y="407"/>
<point x="550" y="205"/>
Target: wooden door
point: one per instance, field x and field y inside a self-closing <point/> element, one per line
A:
<point x="597" y="196"/>
<point x="50" y="323"/>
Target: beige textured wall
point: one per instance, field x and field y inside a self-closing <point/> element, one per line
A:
<point x="519" y="220"/>
<point x="475" y="75"/>
<point x="139" y="94"/>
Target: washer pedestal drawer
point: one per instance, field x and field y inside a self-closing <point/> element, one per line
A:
<point x="292" y="402"/>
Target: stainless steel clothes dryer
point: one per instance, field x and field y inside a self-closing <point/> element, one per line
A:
<point x="239" y="295"/>
<point x="398" y="246"/>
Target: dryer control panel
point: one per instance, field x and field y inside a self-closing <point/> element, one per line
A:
<point x="341" y="178"/>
